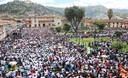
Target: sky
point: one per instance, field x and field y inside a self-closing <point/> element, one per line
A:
<point x="120" y="4"/>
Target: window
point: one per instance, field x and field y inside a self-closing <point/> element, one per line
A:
<point x="35" y="25"/>
<point x="34" y="19"/>
<point x="43" y="25"/>
<point x="29" y="25"/>
<point x="39" y="25"/>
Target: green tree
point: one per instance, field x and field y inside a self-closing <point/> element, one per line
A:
<point x="84" y="27"/>
<point x="117" y="46"/>
<point x="100" y="25"/>
<point x="110" y="15"/>
<point x="74" y="15"/>
<point x="58" y="29"/>
<point x="66" y="28"/>
<point x="118" y="34"/>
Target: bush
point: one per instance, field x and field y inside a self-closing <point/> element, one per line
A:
<point x="125" y="49"/>
<point x="118" y="45"/>
<point x="66" y="28"/>
<point x="118" y="34"/>
<point x="58" y="29"/>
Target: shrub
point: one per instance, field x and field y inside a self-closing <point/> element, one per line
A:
<point x="118" y="45"/>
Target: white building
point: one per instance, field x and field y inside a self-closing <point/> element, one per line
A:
<point x="3" y="29"/>
<point x="43" y="21"/>
<point x="7" y="26"/>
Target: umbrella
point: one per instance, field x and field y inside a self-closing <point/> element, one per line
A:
<point x="13" y="63"/>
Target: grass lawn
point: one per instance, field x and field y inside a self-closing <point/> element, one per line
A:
<point x="87" y="40"/>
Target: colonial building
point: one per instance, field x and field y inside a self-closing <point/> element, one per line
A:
<point x="11" y="20"/>
<point x="4" y="26"/>
<point x="58" y="20"/>
<point x="8" y="25"/>
<point x="113" y="23"/>
<point x="43" y="21"/>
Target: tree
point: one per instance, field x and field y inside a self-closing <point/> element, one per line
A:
<point x="74" y="15"/>
<point x="117" y="46"/>
<point x="118" y="34"/>
<point x="100" y="25"/>
<point x="110" y="15"/>
<point x="66" y="28"/>
<point x="84" y="27"/>
<point x="58" y="29"/>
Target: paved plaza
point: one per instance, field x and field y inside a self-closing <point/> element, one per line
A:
<point x="42" y="53"/>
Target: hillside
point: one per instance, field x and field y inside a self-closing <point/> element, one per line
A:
<point x="98" y="11"/>
<point x="101" y="12"/>
<point x="21" y="8"/>
<point x="60" y="10"/>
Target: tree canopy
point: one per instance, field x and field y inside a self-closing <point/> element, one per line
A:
<point x="74" y="15"/>
<point x="110" y="14"/>
<point x="118" y="34"/>
<point x="66" y="28"/>
<point x="100" y="25"/>
<point x="58" y="29"/>
<point x="117" y="46"/>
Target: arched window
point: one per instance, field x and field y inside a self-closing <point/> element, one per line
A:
<point x="43" y="25"/>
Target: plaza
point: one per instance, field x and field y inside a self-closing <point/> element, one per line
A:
<point x="42" y="53"/>
<point x="46" y="42"/>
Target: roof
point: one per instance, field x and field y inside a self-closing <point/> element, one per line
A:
<point x="106" y="20"/>
<point x="46" y="20"/>
<point x="7" y="18"/>
<point x="3" y="22"/>
<point x="44" y="16"/>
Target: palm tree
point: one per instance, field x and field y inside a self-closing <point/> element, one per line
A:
<point x="110" y="15"/>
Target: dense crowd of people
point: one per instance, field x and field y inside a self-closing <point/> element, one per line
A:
<point x="42" y="53"/>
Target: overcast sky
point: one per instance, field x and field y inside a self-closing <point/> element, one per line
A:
<point x="121" y="4"/>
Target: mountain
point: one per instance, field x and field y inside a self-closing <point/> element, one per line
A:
<point x="98" y="11"/>
<point x="23" y="8"/>
<point x="60" y="10"/>
<point x="101" y="12"/>
<point x="121" y="13"/>
<point x="26" y="8"/>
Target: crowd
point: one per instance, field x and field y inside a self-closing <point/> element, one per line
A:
<point x="42" y="53"/>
